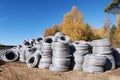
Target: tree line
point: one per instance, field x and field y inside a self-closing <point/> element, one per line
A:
<point x="74" y="26"/>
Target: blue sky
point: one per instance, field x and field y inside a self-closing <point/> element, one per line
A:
<point x="23" y="19"/>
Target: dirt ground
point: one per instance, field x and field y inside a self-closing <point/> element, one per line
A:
<point x="20" y="71"/>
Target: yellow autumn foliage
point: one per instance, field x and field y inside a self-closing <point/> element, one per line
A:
<point x="102" y="33"/>
<point x="118" y="19"/>
<point x="73" y="25"/>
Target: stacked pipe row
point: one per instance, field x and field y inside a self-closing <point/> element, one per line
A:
<point x="94" y="63"/>
<point x="57" y="53"/>
<point x="81" y="49"/>
<point x="46" y="53"/>
<point x="8" y="55"/>
<point x="61" y="57"/>
<point x="26" y="50"/>
<point x="116" y="54"/>
<point x="101" y="59"/>
<point x="38" y="52"/>
<point x="34" y="59"/>
<point x="103" y="47"/>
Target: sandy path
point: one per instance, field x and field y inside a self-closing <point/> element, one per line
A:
<point x="20" y="71"/>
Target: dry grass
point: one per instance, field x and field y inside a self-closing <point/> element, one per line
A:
<point x="19" y="71"/>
